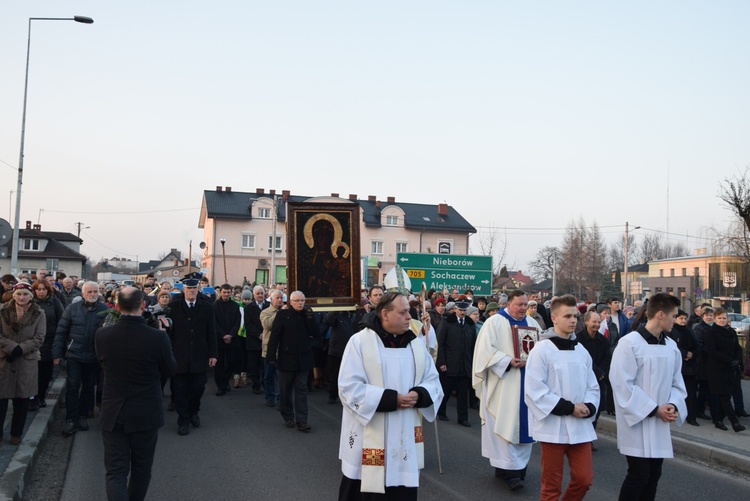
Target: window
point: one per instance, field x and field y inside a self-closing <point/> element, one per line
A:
<point x="696" y="271"/>
<point x="248" y="241"/>
<point x="671" y="272"/>
<point x="264" y="213"/>
<point x="391" y="220"/>
<point x="278" y="242"/>
<point x="661" y="273"/>
<point x="31" y="244"/>
<point x="376" y="247"/>
<point x="402" y="246"/>
<point x="684" y="272"/>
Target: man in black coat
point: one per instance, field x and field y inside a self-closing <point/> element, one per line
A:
<point x="194" y="347"/>
<point x="134" y="359"/>
<point x="290" y="351"/>
<point x="254" y="336"/>
<point x="227" y="318"/>
<point x="601" y="355"/>
<point x="456" y="337"/>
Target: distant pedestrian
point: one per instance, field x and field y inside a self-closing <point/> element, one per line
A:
<point x="134" y="359"/>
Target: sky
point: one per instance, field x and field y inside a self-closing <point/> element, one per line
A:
<point x="520" y="115"/>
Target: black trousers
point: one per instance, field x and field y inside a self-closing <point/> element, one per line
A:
<point x="20" y="410"/>
<point x="293" y="383"/>
<point x="44" y="375"/>
<point x="334" y="366"/>
<point x="461" y="385"/>
<point x="188" y="390"/>
<point x="128" y="453"/>
<point x="691" y="401"/>
<point x="349" y="490"/>
<point x="254" y="368"/>
<point x="724" y="409"/>
<point x="226" y="364"/>
<point x="641" y="480"/>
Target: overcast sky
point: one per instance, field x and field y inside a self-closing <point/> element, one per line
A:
<point x="519" y="114"/>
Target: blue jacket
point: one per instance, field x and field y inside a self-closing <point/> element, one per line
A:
<point x="76" y="330"/>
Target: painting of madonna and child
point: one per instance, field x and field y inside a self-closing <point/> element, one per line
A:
<point x="323" y="253"/>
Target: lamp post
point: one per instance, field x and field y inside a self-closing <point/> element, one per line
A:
<point x="224" y="258"/>
<point x="16" y="225"/>
<point x="625" y="283"/>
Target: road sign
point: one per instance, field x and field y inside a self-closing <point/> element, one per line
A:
<point x="448" y="271"/>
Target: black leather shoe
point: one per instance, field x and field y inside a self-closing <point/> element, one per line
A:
<point x="303" y="427"/>
<point x="703" y="415"/>
<point x="70" y="428"/>
<point x="221" y="393"/>
<point x="83" y="424"/>
<point x="183" y="429"/>
<point x="693" y="422"/>
<point x="443" y="418"/>
<point x="289" y="424"/>
<point x="742" y="414"/>
<point x="514" y="483"/>
<point x="195" y="421"/>
<point x="170" y="406"/>
<point x="465" y="423"/>
<point x="270" y="403"/>
<point x="720" y="425"/>
<point x="737" y="427"/>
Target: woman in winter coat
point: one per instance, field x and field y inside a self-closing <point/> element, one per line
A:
<point x="723" y="367"/>
<point x="53" y="309"/>
<point x="22" y="330"/>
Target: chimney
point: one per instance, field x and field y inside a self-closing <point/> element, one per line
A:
<point x="272" y="192"/>
<point x="371" y="198"/>
<point x="285" y="194"/>
<point x="38" y="227"/>
<point x="352" y="196"/>
<point x="186" y="263"/>
<point x="377" y="204"/>
<point x="228" y="189"/>
<point x="218" y="188"/>
<point x="177" y="262"/>
<point x="28" y="225"/>
<point x="259" y="191"/>
<point x="442" y="209"/>
<point x="334" y="195"/>
<point x="391" y="200"/>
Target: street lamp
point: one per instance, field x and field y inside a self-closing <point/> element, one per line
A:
<point x="17" y="224"/>
<point x="627" y="242"/>
<point x="224" y="258"/>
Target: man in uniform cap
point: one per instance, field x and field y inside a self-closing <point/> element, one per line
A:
<point x="455" y="339"/>
<point x="195" y="349"/>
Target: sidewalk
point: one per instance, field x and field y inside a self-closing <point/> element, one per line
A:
<point x="15" y="461"/>
<point x="725" y="450"/>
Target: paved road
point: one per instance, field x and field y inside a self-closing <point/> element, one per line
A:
<point x="243" y="451"/>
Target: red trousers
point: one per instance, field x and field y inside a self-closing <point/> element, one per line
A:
<point x="581" y="471"/>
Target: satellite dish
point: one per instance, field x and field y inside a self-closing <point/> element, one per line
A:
<point x="202" y="245"/>
<point x="6" y="232"/>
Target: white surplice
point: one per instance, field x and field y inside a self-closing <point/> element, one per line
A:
<point x="552" y="374"/>
<point x="360" y="400"/>
<point x="644" y="376"/>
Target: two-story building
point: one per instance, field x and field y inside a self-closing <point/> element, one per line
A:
<point x="44" y="250"/>
<point x="248" y="232"/>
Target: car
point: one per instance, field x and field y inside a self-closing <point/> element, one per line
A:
<point x="742" y="326"/>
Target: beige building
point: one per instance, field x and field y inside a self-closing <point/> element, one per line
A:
<point x="44" y="250"/>
<point x="252" y="227"/>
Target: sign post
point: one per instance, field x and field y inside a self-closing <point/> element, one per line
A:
<point x="448" y="271"/>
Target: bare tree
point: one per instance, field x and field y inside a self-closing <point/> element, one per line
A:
<point x="735" y="194"/>
<point x="616" y="253"/>
<point x="491" y="242"/>
<point x="543" y="264"/>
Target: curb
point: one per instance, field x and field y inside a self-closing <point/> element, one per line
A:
<point x="713" y="456"/>
<point x="13" y="479"/>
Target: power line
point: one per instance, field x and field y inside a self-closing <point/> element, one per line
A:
<point x="126" y="212"/>
<point x="108" y="248"/>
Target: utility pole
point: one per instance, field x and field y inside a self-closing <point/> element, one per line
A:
<point x="80" y="227"/>
<point x="554" y="272"/>
<point x="272" y="274"/>
<point x="625" y="282"/>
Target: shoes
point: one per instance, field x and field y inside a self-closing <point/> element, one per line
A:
<point x="303" y="427"/>
<point x="742" y="414"/>
<point x="514" y="483"/>
<point x="693" y="422"/>
<point x="183" y="429"/>
<point x="14" y="440"/>
<point x="702" y="415"/>
<point x="170" y="406"/>
<point x="270" y="403"/>
<point x="737" y="427"/>
<point x="236" y="379"/>
<point x="465" y="423"/>
<point x="720" y="425"/>
<point x="33" y="405"/>
<point x="243" y="378"/>
<point x="42" y="402"/>
<point x="257" y="391"/>
<point x="83" y="424"/>
<point x="221" y="393"/>
<point x="289" y="423"/>
<point x="195" y="421"/>
<point x="70" y="428"/>
<point x="442" y="417"/>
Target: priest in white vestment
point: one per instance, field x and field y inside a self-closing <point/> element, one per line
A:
<point x="387" y="383"/>
<point x="649" y="394"/>
<point x="498" y="374"/>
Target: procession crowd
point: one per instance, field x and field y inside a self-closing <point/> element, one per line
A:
<point x="586" y="358"/>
